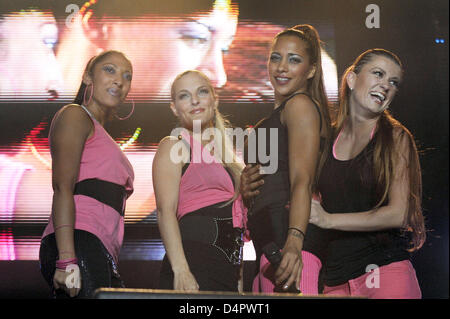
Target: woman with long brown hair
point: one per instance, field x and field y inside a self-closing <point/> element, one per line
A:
<point x="278" y="216"/>
<point x="370" y="188"/>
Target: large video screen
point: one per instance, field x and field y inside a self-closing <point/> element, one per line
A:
<point x="44" y="52"/>
<point x="44" y="48"/>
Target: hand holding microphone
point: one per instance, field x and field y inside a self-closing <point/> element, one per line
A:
<point x="273" y="255"/>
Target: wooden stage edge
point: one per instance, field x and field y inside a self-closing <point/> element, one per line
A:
<point x="125" y="293"/>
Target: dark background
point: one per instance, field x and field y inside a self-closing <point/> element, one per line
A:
<point x="408" y="28"/>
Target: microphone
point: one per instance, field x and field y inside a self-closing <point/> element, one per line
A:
<point x="273" y="255"/>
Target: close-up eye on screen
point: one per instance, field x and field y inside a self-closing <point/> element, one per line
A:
<point x="48" y="53"/>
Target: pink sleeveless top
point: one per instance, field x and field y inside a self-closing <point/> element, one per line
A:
<point x="206" y="182"/>
<point x="103" y="159"/>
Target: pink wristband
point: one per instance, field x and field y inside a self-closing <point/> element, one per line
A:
<point x="62" y="264"/>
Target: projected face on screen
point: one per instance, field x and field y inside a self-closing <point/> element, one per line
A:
<point x="172" y="47"/>
<point x="159" y="46"/>
<point x="28" y="66"/>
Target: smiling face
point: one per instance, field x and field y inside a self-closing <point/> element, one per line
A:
<point x="111" y="76"/>
<point x="289" y="66"/>
<point x="375" y="86"/>
<point x="193" y="99"/>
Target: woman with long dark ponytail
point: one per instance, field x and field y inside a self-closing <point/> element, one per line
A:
<point x="279" y="214"/>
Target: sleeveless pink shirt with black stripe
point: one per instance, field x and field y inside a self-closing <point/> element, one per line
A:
<point x="206" y="182"/>
<point x="102" y="159"/>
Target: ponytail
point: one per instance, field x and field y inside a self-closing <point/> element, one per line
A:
<point x="316" y="87"/>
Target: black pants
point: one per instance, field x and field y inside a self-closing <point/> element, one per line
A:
<point x="97" y="267"/>
<point x="269" y="224"/>
<point x="203" y="241"/>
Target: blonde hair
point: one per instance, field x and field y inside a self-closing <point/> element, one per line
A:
<point x="221" y="124"/>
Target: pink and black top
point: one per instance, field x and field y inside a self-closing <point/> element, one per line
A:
<point x="206" y="182"/>
<point x="103" y="161"/>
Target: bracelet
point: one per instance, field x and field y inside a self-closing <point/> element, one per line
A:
<point x="298" y="230"/>
<point x="61" y="226"/>
<point x="62" y="264"/>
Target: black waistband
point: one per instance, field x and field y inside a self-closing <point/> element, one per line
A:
<point x="111" y="194"/>
<point x="216" y="231"/>
<point x="350" y="253"/>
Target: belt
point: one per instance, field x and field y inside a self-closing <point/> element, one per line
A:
<point x="111" y="194"/>
<point x="216" y="231"/>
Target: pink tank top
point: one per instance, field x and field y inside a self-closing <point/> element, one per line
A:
<point x="206" y="182"/>
<point x="103" y="159"/>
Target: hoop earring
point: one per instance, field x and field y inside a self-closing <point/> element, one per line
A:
<point x="214" y="119"/>
<point x="126" y="117"/>
<point x="90" y="97"/>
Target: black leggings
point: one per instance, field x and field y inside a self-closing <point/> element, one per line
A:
<point x="97" y="267"/>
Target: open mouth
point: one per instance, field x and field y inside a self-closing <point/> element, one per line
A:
<point x="378" y="97"/>
<point x="197" y="111"/>
<point x="114" y="92"/>
<point x="53" y="95"/>
<point x="281" y="80"/>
